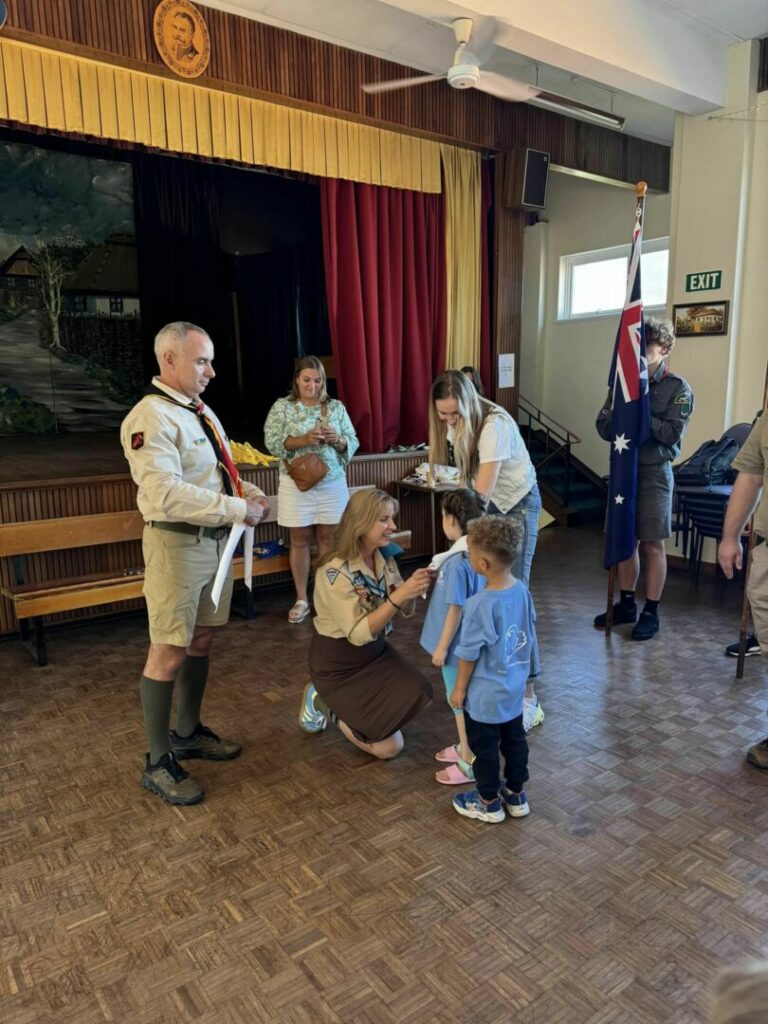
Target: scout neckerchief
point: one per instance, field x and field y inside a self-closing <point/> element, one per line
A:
<point x="370" y="592"/>
<point x="233" y="485"/>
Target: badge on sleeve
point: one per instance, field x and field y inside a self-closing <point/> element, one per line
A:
<point x="332" y="575"/>
<point x="685" y="403"/>
<point x="137" y="440"/>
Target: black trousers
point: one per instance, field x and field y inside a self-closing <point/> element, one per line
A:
<point x="486" y="740"/>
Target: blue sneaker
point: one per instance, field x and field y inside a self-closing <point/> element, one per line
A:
<point x="311" y="719"/>
<point x="471" y="805"/>
<point x="516" y="803"/>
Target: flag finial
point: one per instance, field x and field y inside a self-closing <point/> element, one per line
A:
<point x="640" y="189"/>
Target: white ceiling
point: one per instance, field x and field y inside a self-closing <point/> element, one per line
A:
<point x="643" y="59"/>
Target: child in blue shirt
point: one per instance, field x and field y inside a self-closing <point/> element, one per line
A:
<point x="497" y="652"/>
<point x="456" y="581"/>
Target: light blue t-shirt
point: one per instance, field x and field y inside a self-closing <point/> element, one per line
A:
<point x="456" y="582"/>
<point x="498" y="632"/>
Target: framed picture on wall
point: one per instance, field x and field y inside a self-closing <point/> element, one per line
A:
<point x="700" y="318"/>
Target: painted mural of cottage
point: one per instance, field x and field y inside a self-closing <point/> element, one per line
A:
<point x="18" y="280"/>
<point x="106" y="282"/>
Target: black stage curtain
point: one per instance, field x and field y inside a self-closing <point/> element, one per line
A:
<point x="282" y="315"/>
<point x="181" y="272"/>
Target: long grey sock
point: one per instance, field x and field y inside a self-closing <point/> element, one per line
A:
<point x="156" y="698"/>
<point x="190" y="682"/>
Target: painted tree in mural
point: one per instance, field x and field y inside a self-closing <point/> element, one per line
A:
<point x="52" y="263"/>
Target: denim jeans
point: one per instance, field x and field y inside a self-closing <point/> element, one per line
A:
<point x="486" y="739"/>
<point x="526" y="512"/>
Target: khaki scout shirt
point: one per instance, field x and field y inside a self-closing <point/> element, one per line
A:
<point x="753" y="458"/>
<point x="343" y="600"/>
<point x="174" y="465"/>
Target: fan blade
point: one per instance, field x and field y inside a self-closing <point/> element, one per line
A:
<point x="482" y="39"/>
<point x="399" y="83"/>
<point x="506" y="88"/>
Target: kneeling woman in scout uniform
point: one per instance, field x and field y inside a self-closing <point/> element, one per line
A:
<point x="358" y="679"/>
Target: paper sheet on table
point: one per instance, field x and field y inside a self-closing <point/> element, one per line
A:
<point x="227" y="555"/>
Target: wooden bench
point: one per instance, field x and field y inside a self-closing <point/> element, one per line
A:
<point x="33" y="601"/>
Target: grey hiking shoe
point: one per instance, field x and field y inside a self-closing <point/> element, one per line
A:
<point x="168" y="780"/>
<point x="203" y="743"/>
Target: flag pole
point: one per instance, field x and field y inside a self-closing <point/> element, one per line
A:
<point x="609" y="609"/>
<point x="745" y="609"/>
<point x="641" y="188"/>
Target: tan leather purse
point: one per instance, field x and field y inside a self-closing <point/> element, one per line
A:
<point x="306" y="470"/>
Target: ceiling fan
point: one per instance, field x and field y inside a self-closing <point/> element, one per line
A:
<point x="466" y="71"/>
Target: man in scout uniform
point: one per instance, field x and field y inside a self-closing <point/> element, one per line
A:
<point x="751" y="483"/>
<point x="189" y="493"/>
<point x="671" y="406"/>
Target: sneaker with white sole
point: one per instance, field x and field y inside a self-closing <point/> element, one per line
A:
<point x="472" y="805"/>
<point x="753" y="647"/>
<point x="533" y="713"/>
<point x="311" y="718"/>
<point x="516" y="803"/>
<point x="758" y="755"/>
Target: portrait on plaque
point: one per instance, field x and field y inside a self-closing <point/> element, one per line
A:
<point x="181" y="37"/>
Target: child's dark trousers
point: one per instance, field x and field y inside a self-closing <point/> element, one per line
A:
<point x="486" y="740"/>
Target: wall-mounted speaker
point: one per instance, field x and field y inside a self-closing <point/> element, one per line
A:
<point x="525" y="180"/>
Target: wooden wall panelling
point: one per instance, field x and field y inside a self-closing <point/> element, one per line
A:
<point x="92" y="496"/>
<point x="282" y="65"/>
<point x="509" y="228"/>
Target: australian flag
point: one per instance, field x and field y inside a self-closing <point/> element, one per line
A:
<point x="630" y="408"/>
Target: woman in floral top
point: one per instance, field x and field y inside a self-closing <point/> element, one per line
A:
<point x="309" y="421"/>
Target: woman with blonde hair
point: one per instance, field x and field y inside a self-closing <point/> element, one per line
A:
<point x="307" y="420"/>
<point x="358" y="679"/>
<point x="484" y="442"/>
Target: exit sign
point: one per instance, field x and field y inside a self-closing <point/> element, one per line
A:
<point x="703" y="281"/>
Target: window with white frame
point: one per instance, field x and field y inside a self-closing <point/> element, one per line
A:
<point x="595" y="283"/>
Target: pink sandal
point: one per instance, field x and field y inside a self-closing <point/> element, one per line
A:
<point x="450" y="755"/>
<point x="457" y="774"/>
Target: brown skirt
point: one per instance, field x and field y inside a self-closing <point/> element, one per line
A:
<point x="372" y="688"/>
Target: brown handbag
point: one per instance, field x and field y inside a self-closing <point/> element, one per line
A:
<point x="306" y="470"/>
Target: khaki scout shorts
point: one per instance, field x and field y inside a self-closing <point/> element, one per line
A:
<point x="179" y="570"/>
<point x="758" y="594"/>
<point x="654" y="502"/>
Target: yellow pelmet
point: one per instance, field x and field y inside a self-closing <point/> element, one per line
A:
<point x="61" y="91"/>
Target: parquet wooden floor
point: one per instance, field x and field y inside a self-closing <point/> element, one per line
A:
<point x="314" y="886"/>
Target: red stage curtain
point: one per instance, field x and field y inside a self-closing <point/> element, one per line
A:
<point x="384" y="252"/>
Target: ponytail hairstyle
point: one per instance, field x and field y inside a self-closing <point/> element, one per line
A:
<point x="472" y="410"/>
<point x="464" y="505"/>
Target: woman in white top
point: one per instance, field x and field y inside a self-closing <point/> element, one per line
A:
<point x="484" y="442"/>
<point x="309" y="421"/>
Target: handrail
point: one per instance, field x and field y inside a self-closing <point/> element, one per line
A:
<point x="564" y="441"/>
<point x="541" y="413"/>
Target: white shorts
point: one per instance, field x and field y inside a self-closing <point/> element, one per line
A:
<point x="324" y="503"/>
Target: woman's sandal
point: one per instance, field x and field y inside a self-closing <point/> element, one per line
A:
<point x="299" y="612"/>
<point x="449" y="755"/>
<point x="457" y="774"/>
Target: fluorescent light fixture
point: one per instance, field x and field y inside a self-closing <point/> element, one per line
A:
<point x="572" y="108"/>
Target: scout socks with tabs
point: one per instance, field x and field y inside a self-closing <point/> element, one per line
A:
<point x="190" y="687"/>
<point x="156" y="698"/>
